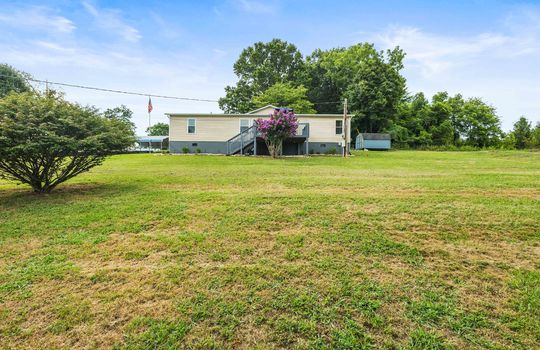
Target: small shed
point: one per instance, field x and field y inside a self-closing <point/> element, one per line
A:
<point x="373" y="141"/>
<point x="152" y="143"/>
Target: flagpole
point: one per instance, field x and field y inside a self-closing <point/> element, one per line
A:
<point x="149" y="112"/>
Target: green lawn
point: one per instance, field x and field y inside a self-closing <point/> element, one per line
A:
<point x="395" y="250"/>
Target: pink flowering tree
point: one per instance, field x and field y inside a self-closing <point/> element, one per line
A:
<point x="280" y="125"/>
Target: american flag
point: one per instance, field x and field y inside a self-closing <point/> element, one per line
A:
<point x="150" y="108"/>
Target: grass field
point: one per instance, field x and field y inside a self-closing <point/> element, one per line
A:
<point x="397" y="250"/>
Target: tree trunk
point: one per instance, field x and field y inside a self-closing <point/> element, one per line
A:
<point x="274" y="148"/>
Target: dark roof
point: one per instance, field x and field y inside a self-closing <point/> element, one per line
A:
<point x="375" y="136"/>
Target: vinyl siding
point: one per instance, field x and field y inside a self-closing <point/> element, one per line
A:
<point x="222" y="128"/>
<point x="322" y="129"/>
<point x="207" y="128"/>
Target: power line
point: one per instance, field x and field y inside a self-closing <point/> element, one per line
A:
<point x="114" y="91"/>
<point x="328" y="102"/>
<point x="47" y="82"/>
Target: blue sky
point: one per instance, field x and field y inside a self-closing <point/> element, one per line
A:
<point x="488" y="49"/>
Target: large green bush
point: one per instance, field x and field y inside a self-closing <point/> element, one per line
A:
<point x="45" y="140"/>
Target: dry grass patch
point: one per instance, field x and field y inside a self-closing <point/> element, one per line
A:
<point x="398" y="250"/>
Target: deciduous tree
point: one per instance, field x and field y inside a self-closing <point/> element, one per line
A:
<point x="285" y="95"/>
<point x="158" y="129"/>
<point x="123" y="115"/>
<point x="258" y="68"/>
<point x="13" y="80"/>
<point x="522" y="133"/>
<point x="481" y="125"/>
<point x="369" y="79"/>
<point x="279" y="126"/>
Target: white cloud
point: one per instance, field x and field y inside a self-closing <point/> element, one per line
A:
<point x="166" y="29"/>
<point x="107" y="66"/>
<point x="499" y="66"/>
<point x="435" y="54"/>
<point x="36" y="18"/>
<point x="253" y="6"/>
<point x="218" y="53"/>
<point x="53" y="46"/>
<point x="111" y="20"/>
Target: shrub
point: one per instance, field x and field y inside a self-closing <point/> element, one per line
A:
<point x="45" y="140"/>
<point x="185" y="150"/>
<point x="198" y="151"/>
<point x="331" y="151"/>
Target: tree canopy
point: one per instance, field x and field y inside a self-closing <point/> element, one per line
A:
<point x="123" y="115"/>
<point x="45" y="140"/>
<point x="522" y="133"/>
<point x="158" y="129"/>
<point x="258" y="68"/>
<point x="369" y="79"/>
<point x="285" y="94"/>
<point x="445" y="121"/>
<point x="277" y="73"/>
<point x="13" y="80"/>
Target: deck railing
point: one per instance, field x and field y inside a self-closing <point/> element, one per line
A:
<point x="238" y="143"/>
<point x="303" y="130"/>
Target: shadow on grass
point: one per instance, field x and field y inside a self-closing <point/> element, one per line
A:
<point x="22" y="194"/>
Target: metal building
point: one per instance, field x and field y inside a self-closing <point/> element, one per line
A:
<point x="373" y="141"/>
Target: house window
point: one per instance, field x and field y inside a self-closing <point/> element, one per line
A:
<point x="339" y="127"/>
<point x="191" y="126"/>
<point x="244" y="124"/>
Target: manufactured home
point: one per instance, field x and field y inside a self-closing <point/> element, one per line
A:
<point x="236" y="134"/>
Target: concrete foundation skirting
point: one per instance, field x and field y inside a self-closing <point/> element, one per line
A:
<point x="324" y="147"/>
<point x="216" y="147"/>
<point x="220" y="147"/>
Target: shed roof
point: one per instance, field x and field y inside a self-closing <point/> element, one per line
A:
<point x="375" y="136"/>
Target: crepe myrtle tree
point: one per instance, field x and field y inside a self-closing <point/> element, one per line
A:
<point x="281" y="124"/>
<point x="45" y="140"/>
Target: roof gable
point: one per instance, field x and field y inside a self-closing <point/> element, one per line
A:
<point x="263" y="110"/>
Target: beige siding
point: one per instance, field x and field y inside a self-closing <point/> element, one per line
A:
<point x="207" y="128"/>
<point x="217" y="128"/>
<point x="322" y="129"/>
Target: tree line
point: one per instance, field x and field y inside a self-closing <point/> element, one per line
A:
<point x="277" y="73"/>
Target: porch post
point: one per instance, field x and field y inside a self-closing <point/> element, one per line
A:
<point x="255" y="144"/>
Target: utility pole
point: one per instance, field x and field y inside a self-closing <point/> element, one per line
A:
<point x="46" y="88"/>
<point x="345" y="130"/>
